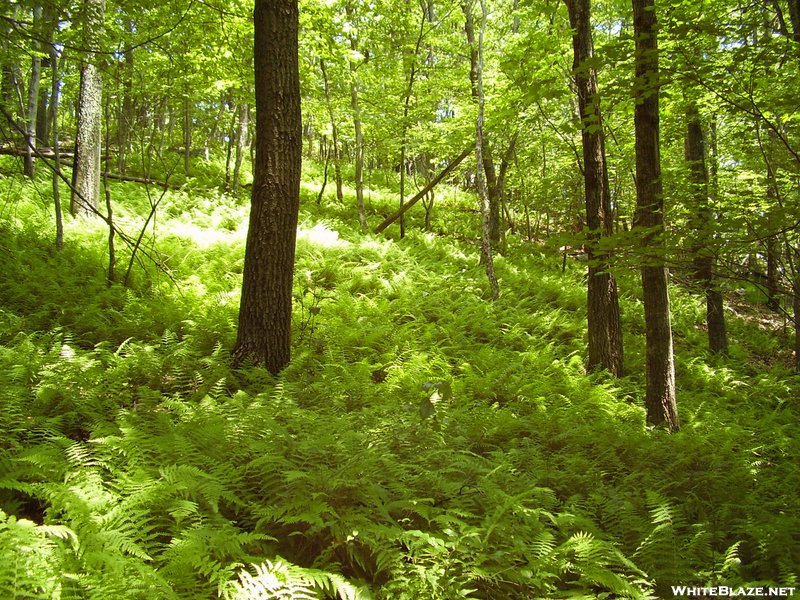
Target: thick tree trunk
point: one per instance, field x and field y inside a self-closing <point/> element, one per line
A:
<point x="702" y="256"/>
<point x="265" y="315"/>
<point x="86" y="173"/>
<point x="660" y="397"/>
<point x="604" y="327"/>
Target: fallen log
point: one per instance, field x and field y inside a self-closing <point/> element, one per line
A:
<point x="424" y="191"/>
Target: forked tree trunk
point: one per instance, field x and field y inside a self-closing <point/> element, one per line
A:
<point x="265" y="315"/>
<point x="702" y="255"/>
<point x="604" y="327"/>
<point x="660" y="397"/>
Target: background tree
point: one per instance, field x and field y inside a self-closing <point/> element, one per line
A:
<point x="660" y="395"/>
<point x="88" y="138"/>
<point x="605" y="330"/>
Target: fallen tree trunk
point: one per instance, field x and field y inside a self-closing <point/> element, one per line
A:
<point x="44" y="152"/>
<point x="424" y="191"/>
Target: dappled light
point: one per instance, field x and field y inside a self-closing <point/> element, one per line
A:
<point x="335" y="300"/>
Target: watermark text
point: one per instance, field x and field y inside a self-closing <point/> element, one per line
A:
<point x="730" y="592"/>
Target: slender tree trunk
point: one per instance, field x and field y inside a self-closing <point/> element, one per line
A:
<point x="604" y="326"/>
<point x="241" y="142"/>
<point x="660" y="397"/>
<point x="126" y="116"/>
<point x="487" y="159"/>
<point x="265" y="315"/>
<point x="88" y="140"/>
<point x="33" y="97"/>
<point x="796" y="307"/>
<point x="359" y="158"/>
<point x="229" y="151"/>
<point x="486" y="242"/>
<point x="187" y="130"/>
<point x="57" y="151"/>
<point x="337" y="167"/>
<point x="702" y="254"/>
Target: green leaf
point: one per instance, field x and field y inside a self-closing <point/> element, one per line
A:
<point x="426" y="408"/>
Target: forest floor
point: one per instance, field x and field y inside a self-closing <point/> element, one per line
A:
<point x="424" y="442"/>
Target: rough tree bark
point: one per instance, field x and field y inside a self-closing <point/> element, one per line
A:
<point x="86" y="173"/>
<point x="660" y="397"/>
<point x="264" y="334"/>
<point x="605" y="329"/>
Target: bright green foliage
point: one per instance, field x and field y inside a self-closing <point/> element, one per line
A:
<point x="424" y="443"/>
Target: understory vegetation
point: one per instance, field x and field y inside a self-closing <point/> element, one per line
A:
<point x="424" y="442"/>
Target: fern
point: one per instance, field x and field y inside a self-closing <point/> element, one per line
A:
<point x="283" y="581"/>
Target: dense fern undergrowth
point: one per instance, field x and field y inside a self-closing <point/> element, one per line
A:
<point x="424" y="442"/>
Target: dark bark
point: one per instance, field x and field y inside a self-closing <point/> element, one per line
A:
<point x="702" y="255"/>
<point x="660" y="397"/>
<point x="604" y="326"/>
<point x="265" y="315"/>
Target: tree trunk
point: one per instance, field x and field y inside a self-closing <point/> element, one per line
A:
<point x="127" y="114"/>
<point x="88" y="140"/>
<point x="796" y="307"/>
<point x="604" y="327"/>
<point x="337" y="167"/>
<point x="265" y="314"/>
<point x="660" y="397"/>
<point x="187" y="131"/>
<point x="487" y="159"/>
<point x="33" y="98"/>
<point x="359" y="159"/>
<point x="486" y="243"/>
<point x="56" y="151"/>
<point x="241" y="142"/>
<point x="703" y="256"/>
